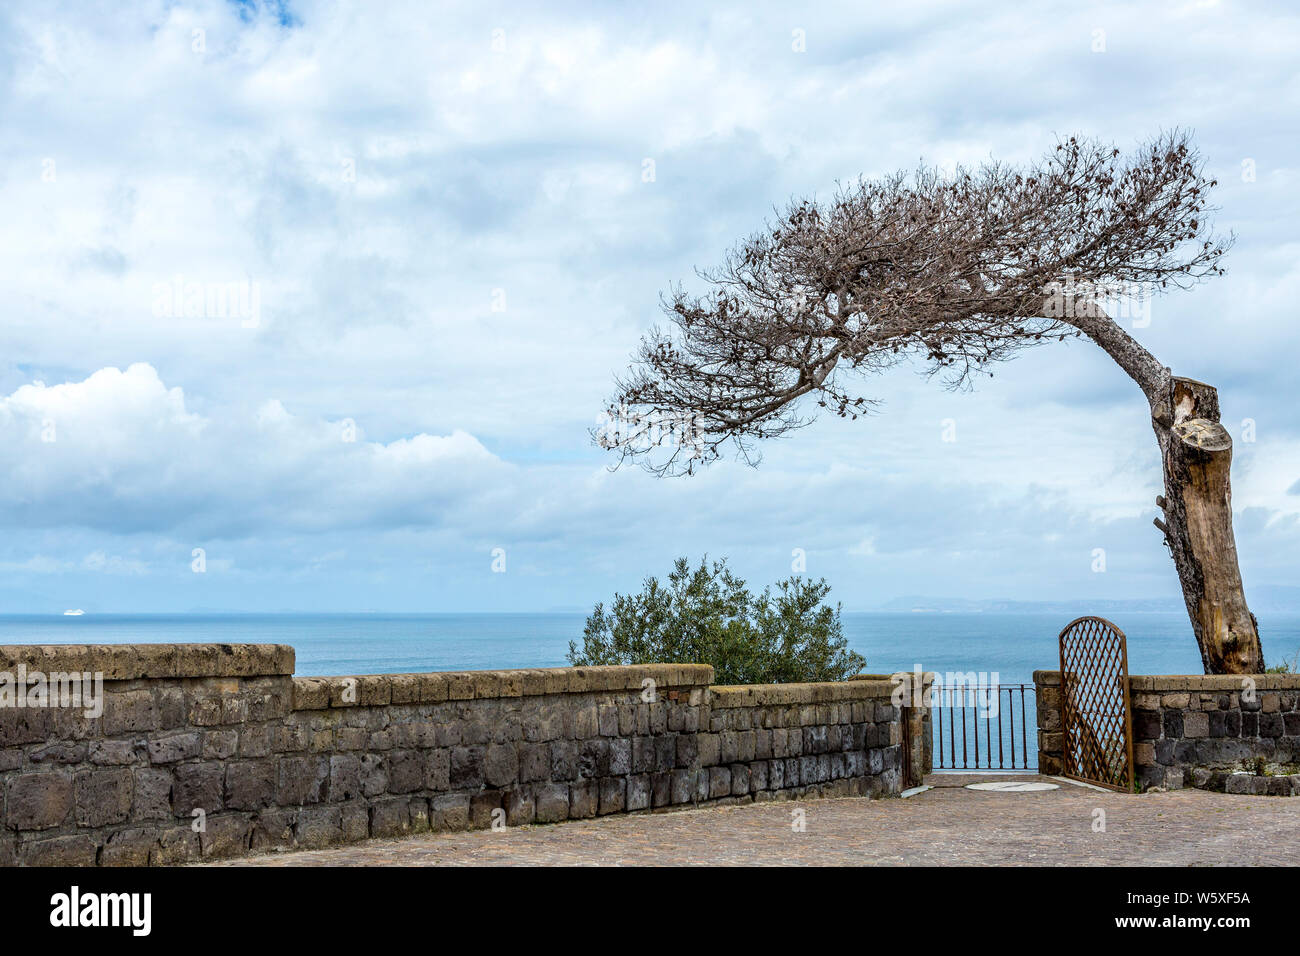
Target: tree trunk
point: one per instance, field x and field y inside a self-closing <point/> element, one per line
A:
<point x="1197" y="451"/>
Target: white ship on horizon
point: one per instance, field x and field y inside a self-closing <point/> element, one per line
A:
<point x="74" y="612"/>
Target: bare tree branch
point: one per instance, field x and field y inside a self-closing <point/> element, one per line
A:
<point x="955" y="271"/>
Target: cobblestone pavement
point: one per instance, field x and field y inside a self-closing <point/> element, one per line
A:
<point x="947" y="825"/>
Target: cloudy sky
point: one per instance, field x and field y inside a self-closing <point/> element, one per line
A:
<point x="437" y="241"/>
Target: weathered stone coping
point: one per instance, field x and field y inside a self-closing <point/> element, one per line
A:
<point x="132" y="661"/>
<point x="378" y="690"/>
<point x="1190" y="682"/>
<point x="927" y="677"/>
<point x="1213" y="682"/>
<point x="761" y="695"/>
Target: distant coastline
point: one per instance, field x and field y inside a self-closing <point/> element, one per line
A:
<point x="1264" y="600"/>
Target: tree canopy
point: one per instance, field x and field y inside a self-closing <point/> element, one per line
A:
<point x="957" y="270"/>
<point x="708" y="616"/>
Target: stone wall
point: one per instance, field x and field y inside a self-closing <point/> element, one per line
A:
<point x="1195" y="730"/>
<point x="218" y="750"/>
<point x="1047" y="702"/>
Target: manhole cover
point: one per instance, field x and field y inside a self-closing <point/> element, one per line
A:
<point x="1013" y="786"/>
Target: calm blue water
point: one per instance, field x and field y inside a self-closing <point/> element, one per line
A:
<point x="1013" y="645"/>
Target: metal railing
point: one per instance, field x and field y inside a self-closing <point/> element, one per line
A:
<point x="984" y="727"/>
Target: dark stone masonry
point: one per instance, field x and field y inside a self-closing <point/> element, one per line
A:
<point x="218" y="750"/>
<point x="1239" y="734"/>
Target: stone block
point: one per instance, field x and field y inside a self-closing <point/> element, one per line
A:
<point x="728" y="747"/>
<point x="584" y="799"/>
<point x="132" y="847"/>
<point x="176" y="845"/>
<point x="302" y="780"/>
<point x="1270" y="724"/>
<point x="272" y="829"/>
<point x="374" y="775"/>
<point x="449" y="812"/>
<point x="223" y="744"/>
<point x="501" y="765"/>
<point x="58" y="751"/>
<point x="661" y="789"/>
<point x="638" y="792"/>
<point x="318" y="826"/>
<point x="1239" y="783"/>
<point x="78" y="850"/>
<point x="719" y="782"/>
<point x="520" y="806"/>
<point x="745" y="745"/>
<point x="23" y="725"/>
<point x="564" y="760"/>
<point x="38" y="801"/>
<point x="255" y="741"/>
<point x="776" y="773"/>
<point x="1147" y="724"/>
<point x="467" y="771"/>
<point x="666" y="752"/>
<point x="115" y="752"/>
<point x="534" y="762"/>
<point x="129" y="711"/>
<point x="613" y="795"/>
<point x="437" y="769"/>
<point x="250" y="784"/>
<point x="225" y="835"/>
<point x="175" y="747"/>
<point x="152" y="793"/>
<point x="552" y="803"/>
<point x="344" y="777"/>
<point x="484" y="808"/>
<point x="390" y="817"/>
<point x="103" y="797"/>
<point x="593" y="758"/>
<point x="739" y="779"/>
<point x="620" y="756"/>
<point x="406" y="771"/>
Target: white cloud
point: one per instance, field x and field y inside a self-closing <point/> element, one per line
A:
<point x="120" y="452"/>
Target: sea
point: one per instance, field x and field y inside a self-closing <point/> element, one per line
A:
<point x="1003" y="648"/>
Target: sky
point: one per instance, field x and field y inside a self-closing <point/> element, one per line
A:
<point x="311" y="306"/>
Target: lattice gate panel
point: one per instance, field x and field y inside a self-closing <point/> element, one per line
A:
<point x="1096" y="714"/>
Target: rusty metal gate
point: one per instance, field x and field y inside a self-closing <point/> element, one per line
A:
<point x="1096" y="714"/>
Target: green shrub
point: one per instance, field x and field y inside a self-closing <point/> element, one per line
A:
<point x="708" y="616"/>
<point x="1285" y="666"/>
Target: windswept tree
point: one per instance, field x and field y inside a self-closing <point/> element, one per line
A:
<point x="957" y="271"/>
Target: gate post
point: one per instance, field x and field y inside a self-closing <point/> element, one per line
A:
<point x="917" y="751"/>
<point x="1047" y="702"/>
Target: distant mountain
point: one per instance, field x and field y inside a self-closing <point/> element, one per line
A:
<point x="932" y="605"/>
<point x="1269" y="599"/>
